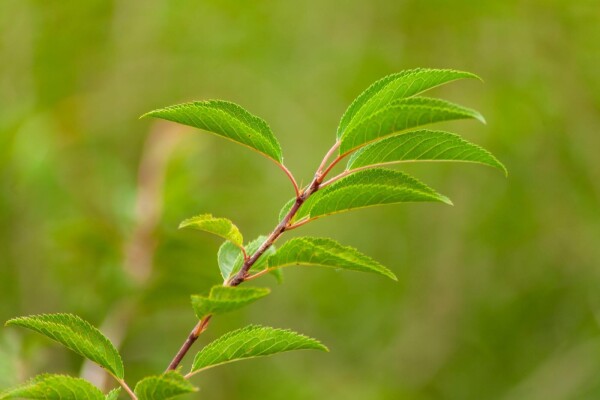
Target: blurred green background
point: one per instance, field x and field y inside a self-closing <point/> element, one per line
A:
<point x="498" y="296"/>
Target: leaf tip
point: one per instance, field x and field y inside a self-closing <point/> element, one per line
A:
<point x="469" y="75"/>
<point x="446" y="200"/>
<point x="502" y="168"/>
<point x="481" y="119"/>
<point x="184" y="224"/>
<point x="12" y="321"/>
<point x="148" y="114"/>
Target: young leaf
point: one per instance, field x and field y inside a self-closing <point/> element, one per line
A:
<point x="424" y="145"/>
<point x="402" y="115"/>
<point x="225" y="119"/>
<point x="326" y="253"/>
<point x="223" y="299"/>
<point x="367" y="188"/>
<point x="251" y="341"/>
<point x="226" y="258"/>
<point x="113" y="394"/>
<point x="231" y="259"/>
<point x="77" y="335"/>
<point x="55" y="387"/>
<point x="217" y="226"/>
<point x="396" y="86"/>
<point x="163" y="387"/>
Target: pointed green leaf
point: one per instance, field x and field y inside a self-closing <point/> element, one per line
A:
<point x="366" y="188"/>
<point x="400" y="116"/>
<point x="55" y="387"/>
<point x="113" y="394"/>
<point x="224" y="299"/>
<point x="396" y="86"/>
<point x="163" y="387"/>
<point x="217" y="226"/>
<point x="225" y="119"/>
<point x="77" y="335"/>
<point x="326" y="253"/>
<point x="424" y="145"/>
<point x="251" y="341"/>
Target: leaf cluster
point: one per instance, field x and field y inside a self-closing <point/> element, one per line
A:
<point x="383" y="126"/>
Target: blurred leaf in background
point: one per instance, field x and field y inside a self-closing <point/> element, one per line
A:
<point x="497" y="296"/>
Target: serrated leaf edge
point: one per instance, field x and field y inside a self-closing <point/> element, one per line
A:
<point x="120" y="366"/>
<point x="385" y="271"/>
<point x="319" y="346"/>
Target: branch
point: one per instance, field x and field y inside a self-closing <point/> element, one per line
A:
<point x="192" y="337"/>
<point x="243" y="275"/>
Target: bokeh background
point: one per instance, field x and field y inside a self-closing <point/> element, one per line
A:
<point x="498" y="296"/>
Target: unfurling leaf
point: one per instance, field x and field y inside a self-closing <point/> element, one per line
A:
<point x="251" y="341"/>
<point x="394" y="87"/>
<point x="222" y="299"/>
<point x="424" y="145"/>
<point x="225" y="119"/>
<point x="54" y="387"/>
<point x="231" y="259"/>
<point x="402" y="115"/>
<point x="217" y="226"/>
<point x="163" y="387"/>
<point x="326" y="253"/>
<point x="367" y="188"/>
<point x="77" y="335"/>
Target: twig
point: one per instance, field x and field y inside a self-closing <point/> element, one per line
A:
<point x="258" y="274"/>
<point x="125" y="386"/>
<point x="334" y="163"/>
<point x="327" y="157"/>
<point x="291" y="176"/>
<point x="192" y="337"/>
<point x="242" y="275"/>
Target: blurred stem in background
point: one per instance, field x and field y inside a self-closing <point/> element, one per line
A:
<point x="140" y="248"/>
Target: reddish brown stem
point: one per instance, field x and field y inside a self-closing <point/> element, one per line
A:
<point x="242" y="275"/>
<point x="192" y="337"/>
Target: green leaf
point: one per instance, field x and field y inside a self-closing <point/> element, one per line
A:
<point x="326" y="253"/>
<point x="113" y="394"/>
<point x="163" y="387"/>
<point x="251" y="341"/>
<point x="286" y="208"/>
<point x="424" y="145"/>
<point x="223" y="299"/>
<point x="251" y="248"/>
<point x="226" y="258"/>
<point x="225" y="119"/>
<point x="217" y="226"/>
<point x="277" y="274"/>
<point x="55" y="387"/>
<point x="396" y="86"/>
<point x="402" y="115"/>
<point x="77" y="335"/>
<point x="366" y="188"/>
<point x="231" y="259"/>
